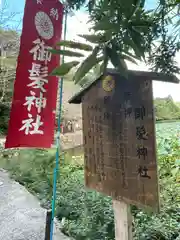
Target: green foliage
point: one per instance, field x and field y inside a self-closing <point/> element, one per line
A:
<point x="87" y="214"/>
<point x="163" y="226"/>
<point x="74" y="4"/>
<point x="116" y="60"/>
<point x="64" y="68"/>
<point x="66" y="53"/>
<point x="124" y="30"/>
<point x="9" y="41"/>
<point x="75" y="45"/>
<point x="91" y="61"/>
<point x="163" y="56"/>
<point x="91" y="76"/>
<point x="84" y="207"/>
<point x="4" y="118"/>
<point x="7" y="76"/>
<point x="166" y="109"/>
<point x="178" y="104"/>
<point x="88" y="210"/>
<point x="98" y="38"/>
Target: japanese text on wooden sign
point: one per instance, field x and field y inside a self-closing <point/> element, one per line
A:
<point x="119" y="139"/>
<point x="32" y="116"/>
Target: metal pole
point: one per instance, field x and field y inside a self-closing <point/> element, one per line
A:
<point x="58" y="141"/>
<point x="48" y="225"/>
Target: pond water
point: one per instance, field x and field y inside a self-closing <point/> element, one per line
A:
<point x="166" y="144"/>
<point x="167" y="129"/>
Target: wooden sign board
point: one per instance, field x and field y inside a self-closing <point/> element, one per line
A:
<point x="119" y="140"/>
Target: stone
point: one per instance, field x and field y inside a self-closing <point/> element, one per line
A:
<point x="21" y="216"/>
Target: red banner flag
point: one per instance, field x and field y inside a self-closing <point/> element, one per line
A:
<point x="32" y="115"/>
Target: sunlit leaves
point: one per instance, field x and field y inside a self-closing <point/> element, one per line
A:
<point x="64" y="68"/>
<point x="66" y="53"/>
<point x="96" y="38"/>
<point x="87" y="65"/>
<point x="117" y="61"/>
<point x="75" y="45"/>
<point x="124" y="30"/>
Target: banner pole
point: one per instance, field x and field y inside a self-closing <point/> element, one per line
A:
<point x="58" y="140"/>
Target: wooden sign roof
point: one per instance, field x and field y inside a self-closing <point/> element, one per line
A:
<point x="77" y="98"/>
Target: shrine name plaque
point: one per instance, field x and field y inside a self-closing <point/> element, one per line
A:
<point x="119" y="141"/>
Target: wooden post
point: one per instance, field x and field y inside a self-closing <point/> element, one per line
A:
<point x="48" y="225"/>
<point x="123" y="221"/>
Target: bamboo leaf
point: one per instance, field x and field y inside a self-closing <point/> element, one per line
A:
<point x="94" y="38"/>
<point x="66" y="53"/>
<point x="105" y="62"/>
<point x="104" y="25"/>
<point x="64" y="69"/>
<point x="134" y="40"/>
<point x="118" y="63"/>
<point x="163" y="2"/>
<point x="136" y="6"/>
<point x="135" y="49"/>
<point x="137" y="39"/>
<point x="130" y="59"/>
<point x="177" y="23"/>
<point x="146" y="24"/>
<point x="91" y="5"/>
<point x="75" y="45"/>
<point x="87" y="65"/>
<point x="142" y="3"/>
<point x="140" y="29"/>
<point x="130" y="54"/>
<point x="123" y="66"/>
<point x="169" y="20"/>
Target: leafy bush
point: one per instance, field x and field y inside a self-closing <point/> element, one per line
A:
<point x="4" y="118"/>
<point x="166" y="225"/>
<point x="166" y="109"/>
<point x="88" y="214"/>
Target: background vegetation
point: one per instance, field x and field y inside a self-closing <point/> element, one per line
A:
<point x="166" y="109"/>
<point x="9" y="45"/>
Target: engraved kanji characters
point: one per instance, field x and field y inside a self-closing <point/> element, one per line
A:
<point x="143" y="172"/>
<point x="142" y="151"/>
<point x="139" y="112"/>
<point x="141" y="133"/>
<point x="128" y="112"/>
<point x="127" y="96"/>
<point x="107" y="116"/>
